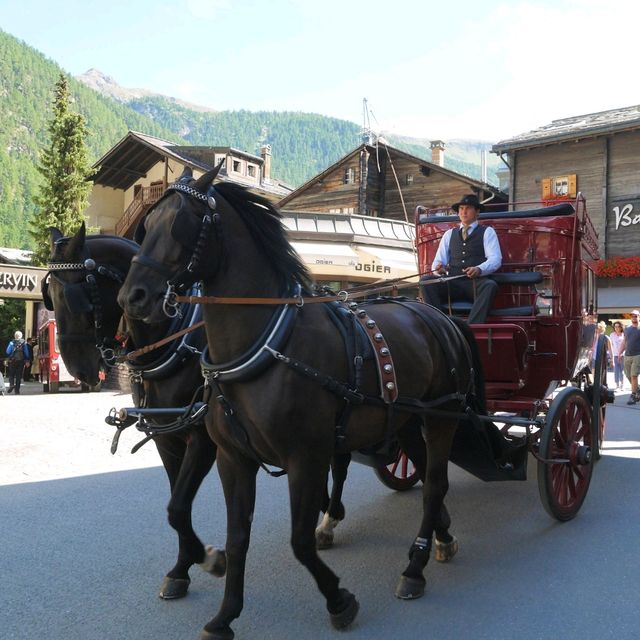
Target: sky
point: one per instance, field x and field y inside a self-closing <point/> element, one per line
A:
<point x="485" y="70"/>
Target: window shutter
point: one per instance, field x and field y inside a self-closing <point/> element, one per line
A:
<point x="546" y="188"/>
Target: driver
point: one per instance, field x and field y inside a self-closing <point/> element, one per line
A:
<point x="471" y="249"/>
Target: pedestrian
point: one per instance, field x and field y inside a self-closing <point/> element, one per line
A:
<point x="18" y="353"/>
<point x="617" y="337"/>
<point x="472" y="250"/>
<point x="600" y="331"/>
<point x="631" y="350"/>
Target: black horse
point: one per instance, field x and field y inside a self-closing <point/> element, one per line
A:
<point x="86" y="273"/>
<point x="282" y="377"/>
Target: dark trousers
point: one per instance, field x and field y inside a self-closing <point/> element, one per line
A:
<point x="15" y="374"/>
<point x="479" y="291"/>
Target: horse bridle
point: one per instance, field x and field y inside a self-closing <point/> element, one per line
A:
<point x="192" y="272"/>
<point x="90" y="269"/>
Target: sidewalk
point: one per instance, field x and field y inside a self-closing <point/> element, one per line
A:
<point x="44" y="436"/>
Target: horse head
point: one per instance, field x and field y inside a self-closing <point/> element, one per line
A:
<point x="85" y="274"/>
<point x="224" y="236"/>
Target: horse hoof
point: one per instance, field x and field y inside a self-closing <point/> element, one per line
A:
<point x="410" y="588"/>
<point x="215" y="561"/>
<point x="174" y="588"/>
<point x="218" y="634"/>
<point x="342" y="619"/>
<point x="324" y="539"/>
<point x="444" y="551"/>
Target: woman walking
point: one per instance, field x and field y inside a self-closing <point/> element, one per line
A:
<point x="616" y="338"/>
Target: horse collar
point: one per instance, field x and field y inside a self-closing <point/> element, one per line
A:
<point x="260" y="355"/>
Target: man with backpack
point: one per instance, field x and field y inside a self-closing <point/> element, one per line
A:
<point x="18" y="353"/>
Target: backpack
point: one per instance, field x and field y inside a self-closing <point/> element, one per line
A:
<point x="18" y="353"/>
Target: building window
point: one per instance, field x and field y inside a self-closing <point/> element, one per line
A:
<point x="409" y="178"/>
<point x="251" y="170"/>
<point x="220" y="158"/>
<point x="559" y="187"/>
<point x="237" y="166"/>
<point x="349" y="210"/>
<point x="349" y="175"/>
<point x="335" y="211"/>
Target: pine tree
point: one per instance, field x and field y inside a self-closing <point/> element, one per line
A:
<point x="64" y="194"/>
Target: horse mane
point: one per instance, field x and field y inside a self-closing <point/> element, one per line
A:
<point x="264" y="222"/>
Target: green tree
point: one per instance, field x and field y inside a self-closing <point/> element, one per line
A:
<point x="64" y="194"/>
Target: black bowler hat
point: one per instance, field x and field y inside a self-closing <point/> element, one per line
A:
<point x="470" y="199"/>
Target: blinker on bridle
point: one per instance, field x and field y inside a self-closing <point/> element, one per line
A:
<point x="92" y="269"/>
<point x="187" y="276"/>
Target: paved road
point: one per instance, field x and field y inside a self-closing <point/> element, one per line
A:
<point x="85" y="545"/>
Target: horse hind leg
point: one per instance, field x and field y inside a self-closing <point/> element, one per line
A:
<point x="438" y="444"/>
<point x="334" y="511"/>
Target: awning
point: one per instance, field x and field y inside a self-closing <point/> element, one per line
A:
<point x="387" y="263"/>
<point x="326" y="253"/>
<point x="619" y="299"/>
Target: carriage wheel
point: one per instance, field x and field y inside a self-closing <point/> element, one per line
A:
<point x="400" y="475"/>
<point x="599" y="396"/>
<point x="567" y="438"/>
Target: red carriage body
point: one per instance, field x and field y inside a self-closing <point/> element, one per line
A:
<point x="540" y="335"/>
<point x="541" y="329"/>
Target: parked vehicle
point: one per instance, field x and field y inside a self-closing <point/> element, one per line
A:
<point x="53" y="371"/>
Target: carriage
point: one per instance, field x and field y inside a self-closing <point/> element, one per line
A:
<point x="545" y="367"/>
<point x="296" y="380"/>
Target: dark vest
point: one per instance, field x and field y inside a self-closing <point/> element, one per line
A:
<point x="469" y="253"/>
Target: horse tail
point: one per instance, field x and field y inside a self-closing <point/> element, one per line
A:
<point x="477" y="399"/>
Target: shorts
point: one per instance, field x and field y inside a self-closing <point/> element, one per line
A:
<point x="631" y="366"/>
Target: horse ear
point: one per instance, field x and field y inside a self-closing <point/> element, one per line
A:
<point x="187" y="175"/>
<point x="55" y="234"/>
<point x="76" y="243"/>
<point x="203" y="183"/>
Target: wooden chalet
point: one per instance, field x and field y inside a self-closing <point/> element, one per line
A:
<point x="381" y="181"/>
<point x="133" y="175"/>
<point x="597" y="154"/>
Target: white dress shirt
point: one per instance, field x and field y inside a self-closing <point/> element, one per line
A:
<point x="491" y="250"/>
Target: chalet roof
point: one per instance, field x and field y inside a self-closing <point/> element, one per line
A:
<point x="574" y="128"/>
<point x="132" y="157"/>
<point x="382" y="148"/>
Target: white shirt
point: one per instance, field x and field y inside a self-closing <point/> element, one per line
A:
<point x="491" y="249"/>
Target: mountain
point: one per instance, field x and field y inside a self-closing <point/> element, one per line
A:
<point x="303" y="144"/>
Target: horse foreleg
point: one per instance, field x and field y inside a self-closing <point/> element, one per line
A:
<point x="413" y="444"/>
<point x="238" y="477"/>
<point x="334" y="511"/>
<point x="187" y="468"/>
<point x="438" y="443"/>
<point x="306" y="478"/>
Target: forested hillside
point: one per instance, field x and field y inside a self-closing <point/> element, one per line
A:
<point x="303" y="144"/>
<point x="27" y="80"/>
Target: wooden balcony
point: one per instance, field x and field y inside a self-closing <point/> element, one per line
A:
<point x="143" y="200"/>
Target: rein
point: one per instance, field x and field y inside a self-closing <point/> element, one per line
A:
<point x="343" y="296"/>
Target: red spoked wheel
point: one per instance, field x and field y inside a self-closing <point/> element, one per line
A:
<point x="400" y="475"/>
<point x="566" y="450"/>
